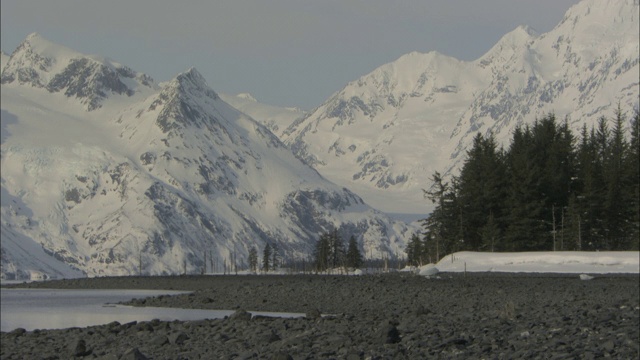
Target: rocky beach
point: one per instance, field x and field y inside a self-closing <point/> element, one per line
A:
<point x="385" y="316"/>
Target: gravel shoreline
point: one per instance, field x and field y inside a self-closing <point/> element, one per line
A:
<point x="387" y="316"/>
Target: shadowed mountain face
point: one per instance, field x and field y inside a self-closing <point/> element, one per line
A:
<point x="108" y="173"/>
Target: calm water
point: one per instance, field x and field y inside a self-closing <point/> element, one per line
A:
<point x="57" y="309"/>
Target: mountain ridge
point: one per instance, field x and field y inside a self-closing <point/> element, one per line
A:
<point x="384" y="134"/>
<point x="150" y="182"/>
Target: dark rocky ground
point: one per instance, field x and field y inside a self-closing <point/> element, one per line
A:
<point x="391" y="316"/>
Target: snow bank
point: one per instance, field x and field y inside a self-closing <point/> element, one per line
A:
<point x="574" y="262"/>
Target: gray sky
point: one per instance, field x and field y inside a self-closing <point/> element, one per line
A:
<point x="284" y="52"/>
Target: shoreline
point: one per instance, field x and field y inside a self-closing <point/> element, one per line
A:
<point x="395" y="315"/>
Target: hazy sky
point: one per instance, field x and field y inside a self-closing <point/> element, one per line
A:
<point x="284" y="52"/>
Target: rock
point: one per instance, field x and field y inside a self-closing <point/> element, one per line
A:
<point x="422" y="310"/>
<point x="159" y="340"/>
<point x="281" y="356"/>
<point x="247" y="355"/>
<point x="271" y="337"/>
<point x="81" y="348"/>
<point x="133" y="354"/>
<point x="17" y="332"/>
<point x="608" y="345"/>
<point x="240" y="315"/>
<point x="144" y="326"/>
<point x="108" y="357"/>
<point x="313" y="314"/>
<point x="389" y="334"/>
<point x="585" y="277"/>
<point x="178" y="338"/>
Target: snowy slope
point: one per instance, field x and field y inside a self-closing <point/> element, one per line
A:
<point x="385" y="134"/>
<point x="105" y="170"/>
<point x="3" y="60"/>
<point x="275" y="118"/>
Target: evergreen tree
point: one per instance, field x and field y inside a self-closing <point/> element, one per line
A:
<point x="266" y="258"/>
<point x="587" y="185"/>
<point x="616" y="209"/>
<point x="274" y="257"/>
<point x="354" y="257"/>
<point x="596" y="237"/>
<point x="337" y="250"/>
<point x="481" y="189"/>
<point x="442" y="227"/>
<point x="253" y="259"/>
<point x="525" y="230"/>
<point x="322" y="252"/>
<point x="571" y="226"/>
<point x="416" y="251"/>
<point x="632" y="184"/>
<point x="547" y="191"/>
<point x="491" y="234"/>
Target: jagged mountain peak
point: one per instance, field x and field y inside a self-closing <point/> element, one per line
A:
<point x="91" y="79"/>
<point x="590" y="22"/>
<point x="516" y="38"/>
<point x="513" y="44"/>
<point x="190" y="82"/>
<point x="36" y="42"/>
<point x="407" y="69"/>
<point x="591" y="11"/>
<point x="186" y="102"/>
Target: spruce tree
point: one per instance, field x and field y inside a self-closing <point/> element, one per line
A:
<point x="415" y="251"/>
<point x="442" y="227"/>
<point x="322" y="252"/>
<point x="354" y="257"/>
<point x="253" y="259"/>
<point x="547" y="191"/>
<point x="491" y="234"/>
<point x="337" y="251"/>
<point x="525" y="230"/>
<point x="632" y="185"/>
<point x="616" y="209"/>
<point x="481" y="189"/>
<point x="274" y="257"/>
<point x="266" y="258"/>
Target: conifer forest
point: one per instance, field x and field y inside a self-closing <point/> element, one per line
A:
<point x="551" y="189"/>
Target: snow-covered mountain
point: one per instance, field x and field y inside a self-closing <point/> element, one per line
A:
<point x="104" y="171"/>
<point x="4" y="58"/>
<point x="275" y="118"/>
<point x="385" y="134"/>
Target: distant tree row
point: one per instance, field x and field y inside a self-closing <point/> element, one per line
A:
<point x="330" y="252"/>
<point x="550" y="190"/>
<point x="269" y="258"/>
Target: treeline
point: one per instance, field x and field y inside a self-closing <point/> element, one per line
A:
<point x="550" y="190"/>
<point x="330" y="253"/>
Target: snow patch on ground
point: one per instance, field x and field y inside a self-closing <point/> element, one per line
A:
<point x="570" y="262"/>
